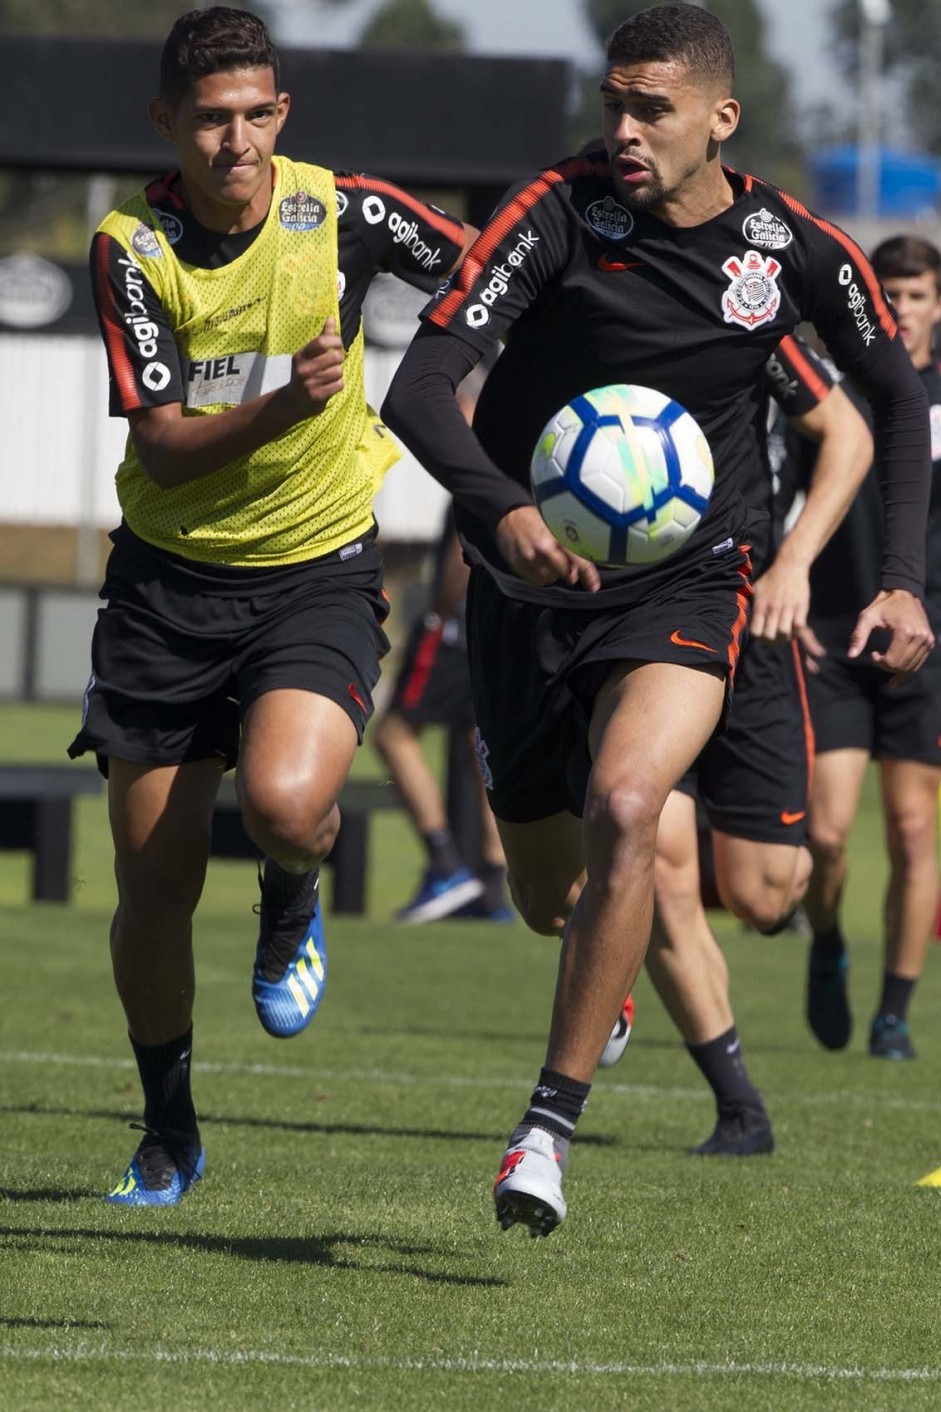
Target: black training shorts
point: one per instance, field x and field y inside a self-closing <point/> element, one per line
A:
<point x="536" y="672"/>
<point x="182" y="649"/>
<point x="854" y="706"/>
<point x="433" y="684"/>
<point x="753" y="777"/>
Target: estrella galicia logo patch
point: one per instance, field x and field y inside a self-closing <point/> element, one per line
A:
<point x="609" y="219"/>
<point x="144" y="243"/>
<point x="752" y="297"/>
<point x="172" y="225"/>
<point x="767" y="231"/>
<point x="302" y="211"/>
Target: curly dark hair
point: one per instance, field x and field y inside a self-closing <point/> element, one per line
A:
<point x="211" y="41"/>
<point x="682" y="33"/>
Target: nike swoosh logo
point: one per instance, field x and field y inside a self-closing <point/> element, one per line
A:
<point x="680" y="641"/>
<point x="612" y="266"/>
<point x="787" y="818"/>
<point x="733" y="1048"/>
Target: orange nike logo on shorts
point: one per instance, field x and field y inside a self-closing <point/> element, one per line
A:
<point x="679" y="641"/>
<point x="787" y="818"/>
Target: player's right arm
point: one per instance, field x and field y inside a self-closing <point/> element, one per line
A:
<point x="517" y="256"/>
<point x="146" y="382"/>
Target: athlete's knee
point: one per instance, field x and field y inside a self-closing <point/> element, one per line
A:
<point x="827" y="840"/>
<point x="912" y="838"/>
<point x="622" y="816"/>
<point x="544" y="908"/>
<point x="764" y="896"/>
<point x="159" y="886"/>
<point x="287" y="823"/>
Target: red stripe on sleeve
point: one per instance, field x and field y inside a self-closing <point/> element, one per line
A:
<point x="803" y="367"/>
<point x="122" y="369"/>
<point x="452" y="230"/>
<point x="482" y="249"/>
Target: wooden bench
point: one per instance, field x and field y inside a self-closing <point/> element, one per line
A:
<point x="36" y="815"/>
<point x="349" y="857"/>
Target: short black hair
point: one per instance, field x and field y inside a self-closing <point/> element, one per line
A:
<point x="676" y="33"/>
<point x="211" y="41"/>
<point x="907" y="257"/>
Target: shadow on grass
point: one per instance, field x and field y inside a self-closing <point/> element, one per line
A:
<point x="285" y="1125"/>
<point x="52" y="1194"/>
<point x="8" y="1323"/>
<point x="326" y="1250"/>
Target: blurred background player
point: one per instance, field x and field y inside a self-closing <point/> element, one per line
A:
<point x="244" y="599"/>
<point x="753" y="778"/>
<point x="433" y="688"/>
<point x="858" y="714"/>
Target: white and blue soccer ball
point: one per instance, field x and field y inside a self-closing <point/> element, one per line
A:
<point x="622" y="475"/>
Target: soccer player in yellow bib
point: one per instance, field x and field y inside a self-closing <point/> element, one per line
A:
<point x="244" y="602"/>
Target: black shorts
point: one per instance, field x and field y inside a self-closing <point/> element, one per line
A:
<point x="181" y="650"/>
<point x="536" y="672"/>
<point x="433" y="684"/>
<point x="753" y="777"/>
<point x="853" y="706"/>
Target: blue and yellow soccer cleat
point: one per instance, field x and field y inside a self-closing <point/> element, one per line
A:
<point x="287" y="996"/>
<point x="161" y="1172"/>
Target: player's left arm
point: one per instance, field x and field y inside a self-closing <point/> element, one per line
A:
<point x="406" y="236"/>
<point x="846" y="303"/>
<point x="782" y="594"/>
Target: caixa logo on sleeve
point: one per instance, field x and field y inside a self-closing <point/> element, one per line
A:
<point x="753" y="296"/>
<point x="302" y="211"/>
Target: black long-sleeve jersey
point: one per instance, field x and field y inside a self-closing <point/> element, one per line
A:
<point x="585" y="292"/>
<point x="379" y="227"/>
<point x="847" y="570"/>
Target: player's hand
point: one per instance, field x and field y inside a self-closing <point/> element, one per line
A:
<point x="781" y="601"/>
<point x="902" y="615"/>
<point x="317" y="371"/>
<point x="536" y="556"/>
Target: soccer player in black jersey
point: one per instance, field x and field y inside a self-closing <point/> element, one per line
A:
<point x="753" y="778"/>
<point x="244" y="601"/>
<point x="595" y="690"/>
<point x="858" y="715"/>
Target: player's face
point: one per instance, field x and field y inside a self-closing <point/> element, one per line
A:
<point x="224" y="130"/>
<point x="917" y="306"/>
<point x="661" y="130"/>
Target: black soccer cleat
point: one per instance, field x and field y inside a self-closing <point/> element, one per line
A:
<point x="741" y="1131"/>
<point x="889" y="1038"/>
<point x="828" y="1009"/>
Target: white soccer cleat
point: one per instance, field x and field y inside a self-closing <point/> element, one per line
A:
<point x="528" y="1188"/>
<point x="620" y="1035"/>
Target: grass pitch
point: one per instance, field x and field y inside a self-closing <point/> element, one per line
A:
<point x="342" y="1252"/>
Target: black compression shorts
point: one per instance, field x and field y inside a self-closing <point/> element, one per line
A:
<point x="753" y="777"/>
<point x="536" y="671"/>
<point x="181" y="650"/>
<point x="853" y="706"/>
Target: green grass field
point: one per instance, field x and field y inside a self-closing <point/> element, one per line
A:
<point x="342" y="1252"/>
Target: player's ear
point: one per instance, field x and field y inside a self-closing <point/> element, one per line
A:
<point x="284" y="107"/>
<point x="725" y="118"/>
<point x="161" y="117"/>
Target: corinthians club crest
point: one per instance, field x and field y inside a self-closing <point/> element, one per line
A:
<point x="753" y="296"/>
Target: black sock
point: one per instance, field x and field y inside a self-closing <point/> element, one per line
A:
<point x="723" y="1068"/>
<point x="829" y="943"/>
<point x="492" y="876"/>
<point x="556" y="1104"/>
<point x="896" y="994"/>
<point x="443" y="853"/>
<point x="165" y="1077"/>
<point x="283" y="890"/>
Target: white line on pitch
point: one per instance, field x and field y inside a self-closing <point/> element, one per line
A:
<point x="841" y="1097"/>
<point x="471" y="1364"/>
